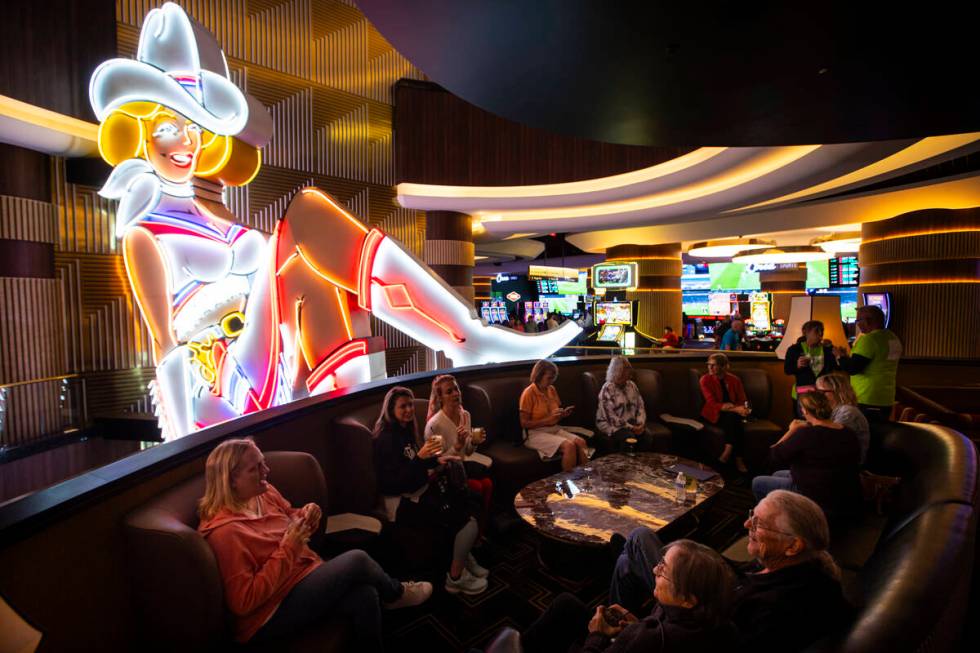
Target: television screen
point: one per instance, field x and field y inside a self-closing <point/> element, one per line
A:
<point x="547" y="286"/>
<point x="614" y="275"/>
<point x="695" y="303"/>
<point x="564" y="304"/>
<point x="695" y="277"/>
<point x="882" y="300"/>
<point x="613" y="313"/>
<point x="818" y="274"/>
<point x="573" y="287"/>
<point x="719" y="303"/>
<point x="843" y="272"/>
<point x="610" y="333"/>
<point x="733" y="276"/>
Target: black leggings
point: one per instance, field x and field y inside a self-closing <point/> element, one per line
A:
<point x="733" y="429"/>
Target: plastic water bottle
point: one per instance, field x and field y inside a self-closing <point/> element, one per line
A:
<point x="680" y="488"/>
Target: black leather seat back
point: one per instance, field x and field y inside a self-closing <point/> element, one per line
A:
<point x="936" y="466"/>
<point x="350" y="466"/>
<point x="493" y="404"/>
<point x="590" y="397"/>
<point x="916" y="586"/>
<point x="650" y="383"/>
<point x="758" y="389"/>
<point x="694" y="391"/>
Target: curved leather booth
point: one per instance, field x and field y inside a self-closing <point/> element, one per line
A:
<point x="177" y="583"/>
<point x="910" y="575"/>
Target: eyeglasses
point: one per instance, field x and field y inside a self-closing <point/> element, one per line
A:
<point x="660" y="570"/>
<point x="755" y="525"/>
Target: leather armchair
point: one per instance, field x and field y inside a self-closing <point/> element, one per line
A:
<point x="177" y="585"/>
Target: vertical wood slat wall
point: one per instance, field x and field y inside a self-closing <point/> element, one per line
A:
<point x="929" y="261"/>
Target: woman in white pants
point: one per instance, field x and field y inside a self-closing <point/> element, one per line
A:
<point x="541" y="411"/>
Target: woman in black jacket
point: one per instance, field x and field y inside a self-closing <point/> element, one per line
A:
<point x="414" y="493"/>
<point x="693" y="592"/>
<point x="809" y="359"/>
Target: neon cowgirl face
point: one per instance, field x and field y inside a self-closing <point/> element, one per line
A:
<point x="173" y="146"/>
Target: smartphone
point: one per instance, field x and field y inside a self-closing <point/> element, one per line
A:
<point x="613" y="616"/>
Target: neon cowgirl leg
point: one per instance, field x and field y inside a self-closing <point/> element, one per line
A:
<point x="402" y="291"/>
<point x="332" y="273"/>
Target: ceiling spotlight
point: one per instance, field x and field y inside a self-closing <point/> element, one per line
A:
<point x="728" y="247"/>
<point x="796" y="254"/>
<point x="842" y="241"/>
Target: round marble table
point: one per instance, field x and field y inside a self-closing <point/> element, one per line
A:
<point x="612" y="494"/>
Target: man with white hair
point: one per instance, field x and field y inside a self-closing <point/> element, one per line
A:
<point x="786" y="598"/>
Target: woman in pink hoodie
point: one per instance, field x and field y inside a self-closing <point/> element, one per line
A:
<point x="274" y="583"/>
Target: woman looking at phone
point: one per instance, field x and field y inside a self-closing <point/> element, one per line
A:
<point x="274" y="583"/>
<point x="406" y="467"/>
<point x="541" y="411"/>
<point x="693" y="593"/>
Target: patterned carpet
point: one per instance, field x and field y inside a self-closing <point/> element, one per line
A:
<point x="521" y="587"/>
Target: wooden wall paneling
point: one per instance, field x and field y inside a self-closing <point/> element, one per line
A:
<point x="48" y="50"/>
<point x="24" y="173"/>
<point x="224" y="18"/>
<point x="929" y="261"/>
<point x="85" y="220"/>
<point x="441" y="139"/>
<point x="27" y="219"/>
<point x="30" y="335"/>
<point x="31" y="323"/>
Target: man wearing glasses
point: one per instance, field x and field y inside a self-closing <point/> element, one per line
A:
<point x="788" y="597"/>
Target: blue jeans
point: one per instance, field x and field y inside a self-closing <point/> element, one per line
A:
<point x="632" y="579"/>
<point x="349" y="586"/>
<point x="763" y="485"/>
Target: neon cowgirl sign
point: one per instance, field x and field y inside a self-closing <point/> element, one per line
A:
<point x="241" y="322"/>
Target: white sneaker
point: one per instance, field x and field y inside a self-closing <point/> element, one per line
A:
<point x="475" y="567"/>
<point x="413" y="593"/>
<point x="467" y="583"/>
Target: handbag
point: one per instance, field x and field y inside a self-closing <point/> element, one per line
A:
<point x="448" y="487"/>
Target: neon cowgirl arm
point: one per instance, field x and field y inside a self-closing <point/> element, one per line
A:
<point x="148" y="276"/>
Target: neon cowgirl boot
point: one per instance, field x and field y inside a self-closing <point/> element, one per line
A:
<point x="402" y="291"/>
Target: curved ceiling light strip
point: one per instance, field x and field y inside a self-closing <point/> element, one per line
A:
<point x="796" y="254"/>
<point x="914" y="154"/>
<point x="846" y="241"/>
<point x="426" y="196"/>
<point x="958" y="193"/>
<point x="766" y="162"/>
<point x="728" y="247"/>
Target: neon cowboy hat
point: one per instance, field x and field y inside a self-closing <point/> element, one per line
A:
<point x="180" y="65"/>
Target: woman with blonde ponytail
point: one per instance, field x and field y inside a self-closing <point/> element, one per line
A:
<point x="274" y="582"/>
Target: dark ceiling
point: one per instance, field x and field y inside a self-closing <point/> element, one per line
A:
<point x="693" y="73"/>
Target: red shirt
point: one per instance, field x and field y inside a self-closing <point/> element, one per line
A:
<point x="713" y="397"/>
<point x="256" y="569"/>
<point x="671" y="340"/>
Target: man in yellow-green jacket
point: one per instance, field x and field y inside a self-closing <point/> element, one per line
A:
<point x="873" y="364"/>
